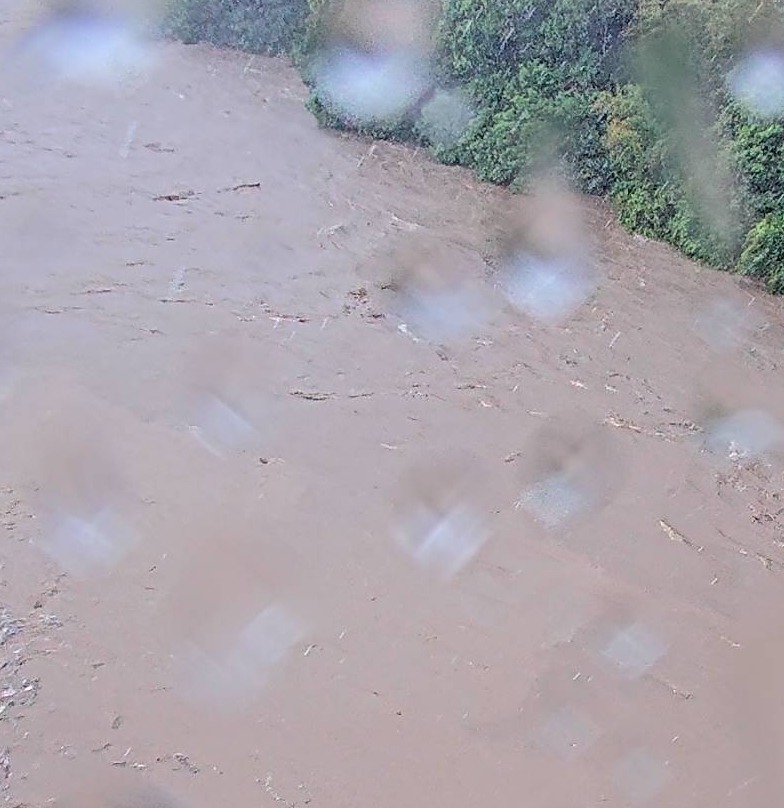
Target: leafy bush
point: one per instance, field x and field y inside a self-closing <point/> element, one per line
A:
<point x="533" y="123"/>
<point x="650" y="194"/>
<point x="478" y="40"/>
<point x="687" y="195"/>
<point x="399" y="128"/>
<point x="255" y="26"/>
<point x="758" y="147"/>
<point x="763" y="253"/>
<point x="533" y="72"/>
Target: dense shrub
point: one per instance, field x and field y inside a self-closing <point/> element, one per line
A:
<point x="763" y="253"/>
<point x="534" y="70"/>
<point x="536" y="123"/>
<point x="478" y="39"/>
<point x="654" y="192"/>
<point x="758" y="147"/>
<point x="256" y="26"/>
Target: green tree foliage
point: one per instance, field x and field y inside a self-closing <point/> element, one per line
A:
<point x="534" y="71"/>
<point x="758" y="147"/>
<point x="653" y="191"/>
<point x="479" y="39"/>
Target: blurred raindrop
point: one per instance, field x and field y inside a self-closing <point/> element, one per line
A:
<point x="568" y="733"/>
<point x="83" y="497"/>
<point x="549" y="291"/>
<point x="442" y="542"/>
<point x="555" y="500"/>
<point x="376" y="62"/>
<point x="723" y="324"/>
<point x="442" y="316"/>
<point x="368" y="87"/>
<point x="91" y="546"/>
<point x="79" y="45"/>
<point x="445" y="118"/>
<point x="219" y="427"/>
<point x="7" y="383"/>
<point x="436" y="291"/>
<point x="634" y="651"/>
<point x="570" y="469"/>
<point x="757" y="82"/>
<point x="227" y="406"/>
<point x="250" y="659"/>
<point x="746" y="435"/>
<point x="548" y="271"/>
<point x="639" y="777"/>
<point x="439" y="523"/>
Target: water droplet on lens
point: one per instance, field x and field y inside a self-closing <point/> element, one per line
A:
<point x="639" y="777"/>
<point x="723" y="324"/>
<point x="442" y="543"/>
<point x="758" y="83"/>
<point x="547" y="290"/>
<point x="555" y="500"/>
<point x="568" y="733"/>
<point x="219" y="427"/>
<point x="634" y="651"/>
<point x="446" y="118"/>
<point x="746" y="435"/>
<point x="370" y="87"/>
<point x="249" y="660"/>
<point x="89" y="546"/>
<point x="87" y="48"/>
<point x="444" y="316"/>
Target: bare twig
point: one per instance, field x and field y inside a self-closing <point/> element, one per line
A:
<point x="673" y="535"/>
<point x="311" y="395"/>
<point x="174" y="197"/>
<point x="241" y="187"/>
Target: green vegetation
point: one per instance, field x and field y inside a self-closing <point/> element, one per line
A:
<point x="626" y="98"/>
<point x="763" y="253"/>
<point x="256" y="26"/>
